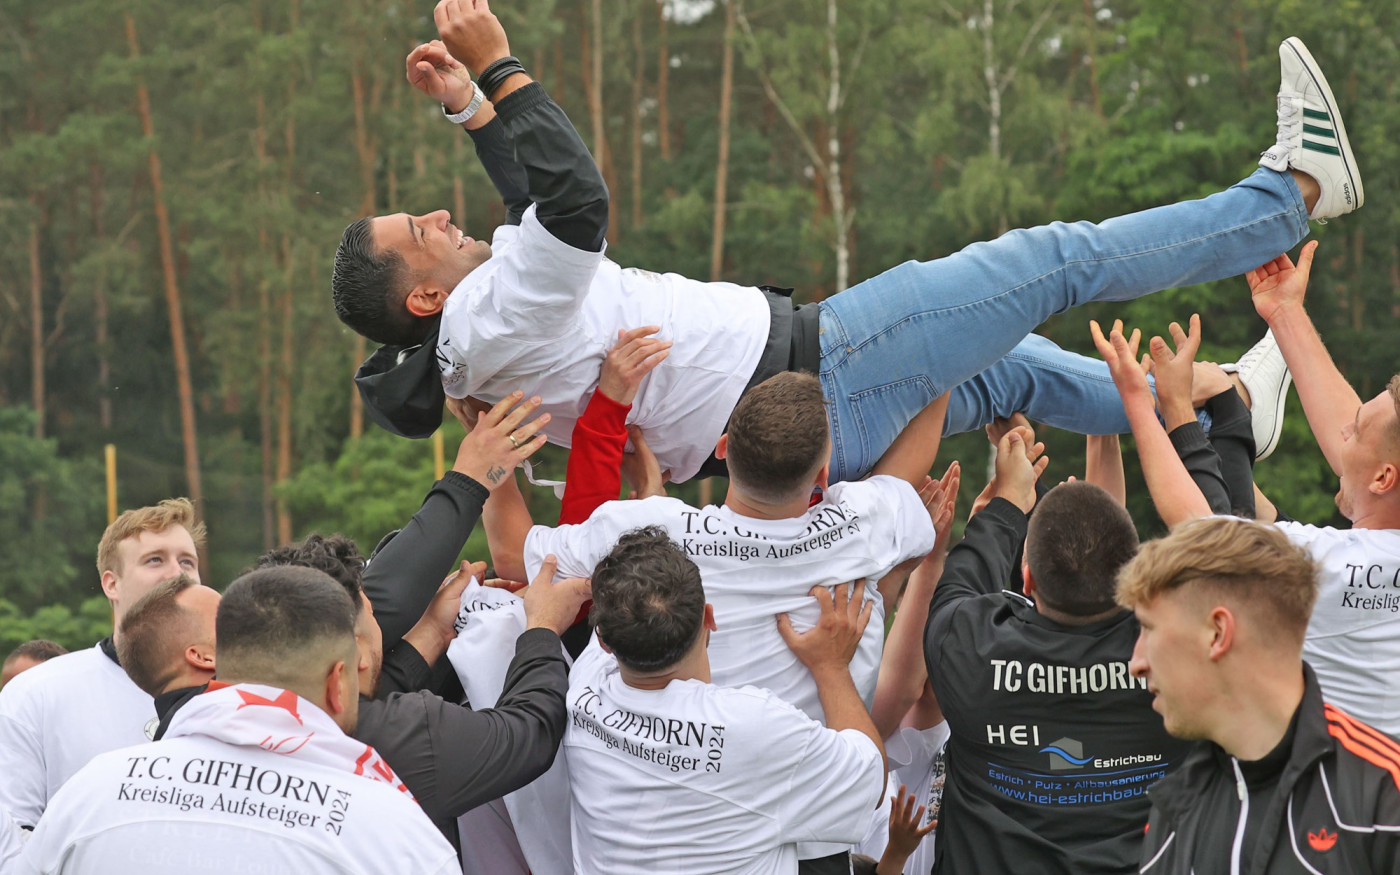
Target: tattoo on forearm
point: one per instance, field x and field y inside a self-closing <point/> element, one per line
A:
<point x="495" y="474"/>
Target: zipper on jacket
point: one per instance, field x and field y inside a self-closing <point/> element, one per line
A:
<point x="1243" y="791"/>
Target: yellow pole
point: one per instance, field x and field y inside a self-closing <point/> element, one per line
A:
<point x="439" y="465"/>
<point x="111" y="453"/>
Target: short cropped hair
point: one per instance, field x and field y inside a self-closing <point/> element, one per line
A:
<point x="39" y="650"/>
<point x="135" y="522"/>
<point x="282" y="626"/>
<point x="154" y="635"/>
<point x="1250" y="564"/>
<point x="648" y="602"/>
<point x="336" y="555"/>
<point x="779" y="437"/>
<point x="369" y="287"/>
<point x="1078" y="539"/>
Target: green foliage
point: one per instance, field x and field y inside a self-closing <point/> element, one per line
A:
<point x="74" y="628"/>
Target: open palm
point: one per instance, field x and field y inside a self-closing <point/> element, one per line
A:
<point x="1280" y="284"/>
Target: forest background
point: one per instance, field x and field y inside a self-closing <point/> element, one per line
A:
<point x="174" y="178"/>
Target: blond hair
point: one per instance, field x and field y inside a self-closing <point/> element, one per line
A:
<point x="137" y="521"/>
<point x="1249" y="564"/>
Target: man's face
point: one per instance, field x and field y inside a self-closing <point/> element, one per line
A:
<point x="18" y="665"/>
<point x="370" y="642"/>
<point x="146" y="560"/>
<point x="1173" y="654"/>
<point x="1368" y="442"/>
<point x="432" y="247"/>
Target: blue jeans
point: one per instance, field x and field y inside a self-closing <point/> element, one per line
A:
<point x="893" y="343"/>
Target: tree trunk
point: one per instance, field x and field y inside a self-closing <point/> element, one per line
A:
<point x="593" y="69"/>
<point x="835" y="190"/>
<point x="36" y="316"/>
<point x="663" y="81"/>
<point x="172" y="289"/>
<point x="365" y="147"/>
<point x="726" y="94"/>
<point x="99" y="306"/>
<point x="637" y="91"/>
<point x="284" y="396"/>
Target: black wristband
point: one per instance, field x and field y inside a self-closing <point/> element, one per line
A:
<point x="497" y="72"/>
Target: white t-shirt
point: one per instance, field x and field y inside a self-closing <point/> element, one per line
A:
<point x="754" y="569"/>
<point x="917" y="763"/>
<point x="193" y="804"/>
<point x="56" y="717"/>
<point x="11" y="842"/>
<point x="699" y="779"/>
<point x="540" y="316"/>
<point x="1353" y="640"/>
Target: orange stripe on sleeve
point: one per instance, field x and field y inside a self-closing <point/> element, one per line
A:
<point x="1380" y="739"/>
<point x="1366" y="753"/>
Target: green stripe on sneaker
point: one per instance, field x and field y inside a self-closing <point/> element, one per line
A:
<point x="1319" y="132"/>
<point x="1321" y="147"/>
<point x="1316" y="114"/>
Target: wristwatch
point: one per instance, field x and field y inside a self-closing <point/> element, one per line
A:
<point x="469" y="110"/>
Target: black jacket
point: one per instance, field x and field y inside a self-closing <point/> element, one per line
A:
<point x="1336" y="809"/>
<point x="1053" y="743"/>
<point x="453" y="758"/>
<point x="551" y="168"/>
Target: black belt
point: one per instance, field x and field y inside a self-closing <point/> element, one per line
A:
<point x="793" y="345"/>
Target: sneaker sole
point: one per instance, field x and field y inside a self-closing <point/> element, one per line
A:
<point x="1268" y="449"/>
<point x="1344" y="145"/>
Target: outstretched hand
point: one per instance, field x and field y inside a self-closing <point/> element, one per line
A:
<point x="1121" y="355"/>
<point x="471" y="33"/>
<point x="906" y="830"/>
<point x="635" y="355"/>
<point x="1279" y="285"/>
<point x="433" y="71"/>
<point x="833" y="641"/>
<point x="640" y="468"/>
<point x="491" y="450"/>
<point x="1020" y="462"/>
<point x="1174" y="372"/>
<point x="550" y="605"/>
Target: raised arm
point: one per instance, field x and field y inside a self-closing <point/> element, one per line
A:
<point x="913" y="452"/>
<point x="1328" y="400"/>
<point x="902" y="669"/>
<point x="570" y="198"/>
<point x="1174" y="493"/>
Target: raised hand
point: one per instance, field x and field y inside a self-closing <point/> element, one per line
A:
<point x="1121" y="354"/>
<point x="1174" y="372"/>
<point x="635" y="355"/>
<point x="905" y="829"/>
<point x="433" y="71"/>
<point x="490" y="452"/>
<point x="1279" y="285"/>
<point x="997" y="428"/>
<point x="641" y="470"/>
<point x="1020" y="462"/>
<point x="943" y="510"/>
<point x="471" y="33"/>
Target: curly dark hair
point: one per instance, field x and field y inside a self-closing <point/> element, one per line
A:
<point x="335" y="555"/>
<point x="648" y="602"/>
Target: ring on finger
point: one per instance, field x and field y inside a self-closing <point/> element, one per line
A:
<point x="513" y="441"/>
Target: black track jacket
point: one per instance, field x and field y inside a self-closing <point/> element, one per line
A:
<point x="1053" y="743"/>
<point x="1336" y="809"/>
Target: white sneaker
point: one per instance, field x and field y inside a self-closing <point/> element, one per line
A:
<point x="1266" y="377"/>
<point x="1311" y="136"/>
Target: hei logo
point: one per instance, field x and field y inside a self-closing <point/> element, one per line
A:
<point x="1066" y="753"/>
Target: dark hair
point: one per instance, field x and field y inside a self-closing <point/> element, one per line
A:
<point x="39" y="650"/>
<point x="778" y="437"/>
<point x="648" y="602"/>
<point x="335" y="555"/>
<point x="1078" y="539"/>
<point x="273" y="621"/>
<point x="154" y="633"/>
<point x="369" y="287"/>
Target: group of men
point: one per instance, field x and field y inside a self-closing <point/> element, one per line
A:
<point x="805" y="678"/>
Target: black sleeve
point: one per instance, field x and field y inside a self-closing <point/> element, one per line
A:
<point x="1203" y="464"/>
<point x="497" y="157"/>
<point x="481" y="755"/>
<point x="981" y="563"/>
<point x="405" y="575"/>
<point x="571" y="200"/>
<point x="403" y="671"/>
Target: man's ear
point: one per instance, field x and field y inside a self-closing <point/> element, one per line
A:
<point x="722" y="446"/>
<point x="200" y="657"/>
<point x="710" y="618"/>
<point x="109" y="584"/>
<point x="1027" y="582"/>
<point x="824" y="476"/>
<point x="335" y="700"/>
<point x="1386" y="479"/>
<point x="426" y="299"/>
<point x="1222" y="624"/>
